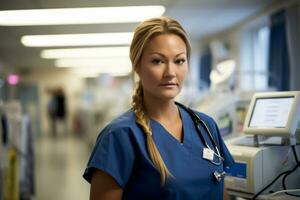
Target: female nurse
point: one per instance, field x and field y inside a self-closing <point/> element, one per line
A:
<point x="154" y="151"/>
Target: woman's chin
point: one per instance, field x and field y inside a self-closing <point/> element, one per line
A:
<point x="169" y="95"/>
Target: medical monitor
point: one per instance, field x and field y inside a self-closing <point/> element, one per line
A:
<point x="273" y="114"/>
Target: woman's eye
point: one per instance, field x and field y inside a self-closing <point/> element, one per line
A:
<point x="157" y="61"/>
<point x="180" y="61"/>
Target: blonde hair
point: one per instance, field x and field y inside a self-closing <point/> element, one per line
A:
<point x="144" y="32"/>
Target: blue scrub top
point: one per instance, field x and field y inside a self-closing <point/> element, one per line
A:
<point x="121" y="151"/>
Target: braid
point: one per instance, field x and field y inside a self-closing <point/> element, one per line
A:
<point x="143" y="120"/>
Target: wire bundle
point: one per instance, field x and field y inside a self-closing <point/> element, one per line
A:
<point x="285" y="174"/>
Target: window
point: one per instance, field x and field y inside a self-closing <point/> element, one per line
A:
<point x="260" y="58"/>
<point x="254" y="58"/>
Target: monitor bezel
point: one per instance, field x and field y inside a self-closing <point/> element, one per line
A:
<point x="292" y="122"/>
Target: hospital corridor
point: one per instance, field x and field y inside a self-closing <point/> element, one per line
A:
<point x="59" y="167"/>
<point x="149" y="100"/>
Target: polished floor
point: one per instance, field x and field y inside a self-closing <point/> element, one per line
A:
<point x="60" y="163"/>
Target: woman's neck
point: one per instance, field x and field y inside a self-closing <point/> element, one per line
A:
<point x="161" y="110"/>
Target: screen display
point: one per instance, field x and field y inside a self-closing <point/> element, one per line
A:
<point x="237" y="170"/>
<point x="271" y="112"/>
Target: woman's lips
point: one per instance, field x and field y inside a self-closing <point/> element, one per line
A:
<point x="169" y="85"/>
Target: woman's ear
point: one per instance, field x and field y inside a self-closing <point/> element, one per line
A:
<point x="136" y="77"/>
<point x="136" y="73"/>
<point x="137" y="69"/>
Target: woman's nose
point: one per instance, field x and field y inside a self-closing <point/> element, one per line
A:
<point x="170" y="70"/>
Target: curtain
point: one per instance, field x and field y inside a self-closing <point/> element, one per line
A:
<point x="293" y="35"/>
<point x="279" y="68"/>
<point x="205" y="68"/>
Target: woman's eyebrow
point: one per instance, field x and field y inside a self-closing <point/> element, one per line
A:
<point x="160" y="54"/>
<point x="165" y="56"/>
<point x="180" y="54"/>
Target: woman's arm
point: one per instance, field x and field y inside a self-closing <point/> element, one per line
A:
<point x="104" y="187"/>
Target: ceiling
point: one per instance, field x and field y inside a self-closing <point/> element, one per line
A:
<point x="199" y="17"/>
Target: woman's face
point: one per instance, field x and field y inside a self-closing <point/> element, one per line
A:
<point x="163" y="67"/>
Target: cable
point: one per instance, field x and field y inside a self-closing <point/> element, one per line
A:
<point x="286" y="175"/>
<point x="261" y="191"/>
<point x="282" y="191"/>
<point x="284" y="180"/>
<point x="295" y="155"/>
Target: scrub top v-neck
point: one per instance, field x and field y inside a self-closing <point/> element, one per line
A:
<point x="121" y="151"/>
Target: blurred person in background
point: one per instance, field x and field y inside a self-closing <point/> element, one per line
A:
<point x="51" y="111"/>
<point x="154" y="151"/>
<point x="57" y="111"/>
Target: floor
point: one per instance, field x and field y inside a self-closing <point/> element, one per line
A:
<point x="60" y="163"/>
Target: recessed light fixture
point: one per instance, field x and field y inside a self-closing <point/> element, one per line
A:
<point x="88" y="74"/>
<point x="121" y="64"/>
<point x="87" y="39"/>
<point x="85" y="52"/>
<point x="94" y="71"/>
<point x="95" y="15"/>
<point x="83" y="73"/>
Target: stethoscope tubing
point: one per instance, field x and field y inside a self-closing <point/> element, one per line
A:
<point x="197" y="122"/>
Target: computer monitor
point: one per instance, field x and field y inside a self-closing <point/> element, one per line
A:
<point x="273" y="114"/>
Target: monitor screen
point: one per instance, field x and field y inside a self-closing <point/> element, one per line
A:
<point x="271" y="112"/>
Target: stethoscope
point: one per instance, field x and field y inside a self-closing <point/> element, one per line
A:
<point x="208" y="152"/>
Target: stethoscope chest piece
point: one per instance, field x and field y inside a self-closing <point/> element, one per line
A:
<point x="219" y="176"/>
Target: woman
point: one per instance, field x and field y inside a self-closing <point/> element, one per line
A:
<point x="154" y="151"/>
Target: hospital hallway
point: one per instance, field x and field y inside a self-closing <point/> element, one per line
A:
<point x="60" y="163"/>
<point x="68" y="68"/>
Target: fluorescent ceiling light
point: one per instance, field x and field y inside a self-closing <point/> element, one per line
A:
<point x="94" y="71"/>
<point x="116" y="64"/>
<point x="85" y="52"/>
<point x="93" y="62"/>
<point x="96" y="15"/>
<point x="95" y="75"/>
<point x="88" y="39"/>
<point x="87" y="75"/>
<point x="120" y="74"/>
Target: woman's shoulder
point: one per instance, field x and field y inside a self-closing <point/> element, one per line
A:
<point x="124" y="123"/>
<point x="127" y="119"/>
